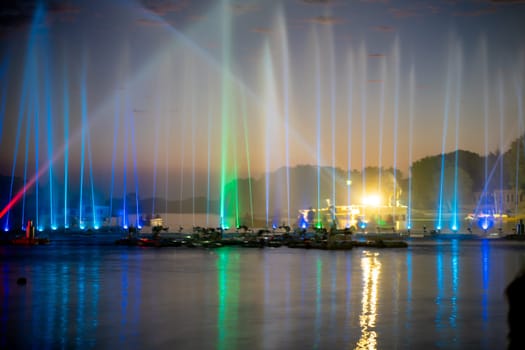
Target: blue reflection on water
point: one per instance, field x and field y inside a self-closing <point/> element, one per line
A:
<point x="5" y="302"/>
<point x="455" y="281"/>
<point x="107" y="297"/>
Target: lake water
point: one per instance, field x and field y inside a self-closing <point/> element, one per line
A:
<point x="86" y="294"/>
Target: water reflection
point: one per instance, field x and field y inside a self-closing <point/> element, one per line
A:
<point x="371" y="268"/>
<point x="228" y="297"/>
<point x="485" y="253"/>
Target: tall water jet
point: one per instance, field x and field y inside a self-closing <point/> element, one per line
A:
<point x="518" y="87"/>
<point x="208" y="165"/>
<point x="439" y="222"/>
<point x="135" y="169"/>
<point x="155" y="158"/>
<point x="116" y="118"/>
<point x="351" y="80"/>
<point x="25" y="97"/>
<point x="244" y="113"/>
<point x="318" y="118"/>
<point x="501" y="100"/>
<point x="85" y="124"/>
<point x="49" y="131"/>
<point x="225" y="103"/>
<point x="125" y="222"/>
<point x="458" y="74"/>
<point x="34" y="98"/>
<point x="82" y="148"/>
<point x="66" y="143"/>
<point x="21" y="111"/>
<point x="364" y="80"/>
<point x="486" y="112"/>
<point x="381" y="120"/>
<point x="412" y="98"/>
<point x="397" y="69"/>
<point x="27" y="144"/>
<point x="283" y="35"/>
<point x="270" y="111"/>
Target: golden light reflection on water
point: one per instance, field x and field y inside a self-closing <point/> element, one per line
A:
<point x="371" y="268"/>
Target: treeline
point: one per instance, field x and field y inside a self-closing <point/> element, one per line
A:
<point x="454" y="177"/>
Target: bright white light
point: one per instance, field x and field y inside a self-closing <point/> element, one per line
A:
<point x="372" y="200"/>
<point x="53" y="228"/>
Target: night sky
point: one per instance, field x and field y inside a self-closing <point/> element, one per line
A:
<point x="141" y="92"/>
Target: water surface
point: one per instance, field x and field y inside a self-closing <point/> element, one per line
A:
<point x="435" y="294"/>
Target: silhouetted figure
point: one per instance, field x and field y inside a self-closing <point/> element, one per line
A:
<point x="515" y="293"/>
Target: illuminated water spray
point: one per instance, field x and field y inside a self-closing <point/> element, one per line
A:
<point x="412" y="98"/>
<point x="116" y="118"/>
<point x="66" y="142"/>
<point x="225" y="103"/>
<point x="458" y="73"/>
<point x="501" y="99"/>
<point x="34" y="98"/>
<point x="350" y="107"/>
<point x="397" y="69"/>
<point x="270" y="116"/>
<point x="364" y="78"/>
<point x="247" y="147"/>
<point x="486" y="112"/>
<point x="27" y="138"/>
<point x="439" y="221"/>
<point x="281" y="25"/>
<point x="155" y="157"/>
<point x="518" y="84"/>
<point x="318" y="118"/>
<point x="381" y="121"/>
<point x="135" y="169"/>
<point x="49" y="133"/>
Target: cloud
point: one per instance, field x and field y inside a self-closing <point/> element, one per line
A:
<point x="262" y="30"/>
<point x="163" y="7"/>
<point x="326" y="20"/>
<point x="376" y="55"/>
<point x="508" y="1"/>
<point x="384" y="29"/>
<point x="479" y="12"/>
<point x="241" y="9"/>
<point x="402" y="13"/>
<point x="323" y="2"/>
<point x="63" y="9"/>
<point x="150" y="22"/>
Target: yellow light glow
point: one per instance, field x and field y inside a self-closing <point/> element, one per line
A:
<point x="372" y="200"/>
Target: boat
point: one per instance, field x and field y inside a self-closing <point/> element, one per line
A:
<point x="29" y="238"/>
<point x="29" y="241"/>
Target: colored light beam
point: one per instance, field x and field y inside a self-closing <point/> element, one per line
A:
<point x="443" y="142"/>
<point x="66" y="141"/>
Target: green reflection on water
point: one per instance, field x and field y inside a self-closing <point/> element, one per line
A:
<point x="228" y="297"/>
